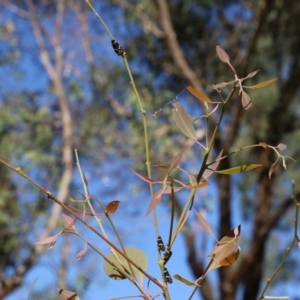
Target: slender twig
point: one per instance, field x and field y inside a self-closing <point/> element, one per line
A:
<point x="289" y="248"/>
<point x="204" y="164"/>
<point x="69" y="210"/>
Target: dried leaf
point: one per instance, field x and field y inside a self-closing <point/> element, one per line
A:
<point x="226" y="247"/>
<point x="252" y="74"/>
<point x="82" y="252"/>
<point x="204" y="224"/>
<point x="222" y="54"/>
<point x="185" y="281"/>
<point x="220" y="85"/>
<point x="281" y="147"/>
<point x="47" y="240"/>
<point x="69" y="223"/>
<point x="67" y="295"/>
<point x="263" y="144"/>
<point x="183" y="121"/>
<point x="198" y="94"/>
<point x="271" y="170"/>
<point x="176" y="159"/>
<point x="213" y="167"/>
<point x="168" y="189"/>
<point x="155" y="200"/>
<point x="239" y="169"/>
<point x="162" y="166"/>
<point x="143" y="177"/>
<point x="199" y="185"/>
<point x="262" y="84"/>
<point x="229" y="260"/>
<point x="246" y="100"/>
<point x="112" y="207"/>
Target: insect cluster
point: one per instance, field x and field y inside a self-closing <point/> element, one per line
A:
<point x="167" y="255"/>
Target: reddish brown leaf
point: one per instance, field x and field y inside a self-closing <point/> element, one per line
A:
<point x="112" y="207"/>
<point x="246" y="100"/>
<point x="69" y="223"/>
<point x="204" y="224"/>
<point x="163" y="166"/>
<point x="82" y="252"/>
<point x="155" y="200"/>
<point x="143" y="177"/>
<point x="230" y="259"/>
<point x="176" y="159"/>
<point x="47" y="240"/>
<point x="213" y="167"/>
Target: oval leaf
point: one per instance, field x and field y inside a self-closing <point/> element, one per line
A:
<point x="250" y="75"/>
<point x="281" y="147"/>
<point x="246" y="100"/>
<point x="222" y="54"/>
<point x="138" y="256"/>
<point x="112" y="207"/>
<point x="183" y="121"/>
<point x="243" y="168"/>
<point x="185" y="281"/>
<point x="198" y="95"/>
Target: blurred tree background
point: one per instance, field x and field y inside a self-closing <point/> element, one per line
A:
<point x="63" y="87"/>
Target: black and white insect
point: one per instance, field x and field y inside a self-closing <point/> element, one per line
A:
<point x="118" y="49"/>
<point x="167" y="255"/>
<point x="167" y="277"/>
<point x="160" y="244"/>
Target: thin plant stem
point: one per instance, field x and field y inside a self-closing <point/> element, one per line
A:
<point x="289" y="248"/>
<point x="204" y="165"/>
<point x="69" y="210"/>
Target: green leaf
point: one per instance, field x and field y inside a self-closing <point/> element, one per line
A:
<point x="138" y="256"/>
<point x="239" y="169"/>
<point x="183" y="121"/>
<point x="185" y="281"/>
